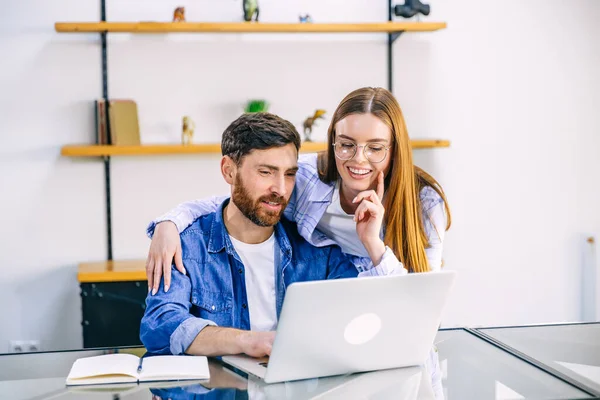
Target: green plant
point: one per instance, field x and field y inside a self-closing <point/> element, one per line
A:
<point x="256" y="106"/>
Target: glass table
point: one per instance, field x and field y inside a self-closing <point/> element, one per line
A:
<point x="42" y="376"/>
<point x="473" y="368"/>
<point x="470" y="368"/>
<point x="571" y="351"/>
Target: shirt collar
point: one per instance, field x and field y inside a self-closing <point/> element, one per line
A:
<point x="216" y="240"/>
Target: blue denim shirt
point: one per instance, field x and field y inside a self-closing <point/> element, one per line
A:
<point x="214" y="292"/>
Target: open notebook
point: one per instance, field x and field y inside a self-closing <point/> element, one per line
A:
<point x="123" y="368"/>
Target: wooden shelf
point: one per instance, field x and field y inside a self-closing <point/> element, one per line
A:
<point x="429" y="144"/>
<point x="112" y="271"/>
<point x="247" y="27"/>
<point x="173" y="149"/>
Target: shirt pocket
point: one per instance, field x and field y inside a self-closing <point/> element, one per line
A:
<point x="213" y="306"/>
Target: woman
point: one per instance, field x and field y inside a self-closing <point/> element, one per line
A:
<point x="368" y="141"/>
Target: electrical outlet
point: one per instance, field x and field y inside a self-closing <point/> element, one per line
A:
<point x="24" y="346"/>
<point x="33" y="345"/>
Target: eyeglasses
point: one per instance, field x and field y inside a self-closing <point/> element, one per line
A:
<point x="374" y="152"/>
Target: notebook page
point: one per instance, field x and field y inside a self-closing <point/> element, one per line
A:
<point x="108" y="364"/>
<point x="174" y="367"/>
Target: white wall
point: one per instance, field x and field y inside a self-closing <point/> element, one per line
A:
<point x="513" y="87"/>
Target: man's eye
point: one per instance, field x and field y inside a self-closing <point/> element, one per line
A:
<point x="292" y="174"/>
<point x="265" y="173"/>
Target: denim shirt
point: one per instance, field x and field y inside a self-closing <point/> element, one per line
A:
<point x="214" y="292"/>
<point x="309" y="201"/>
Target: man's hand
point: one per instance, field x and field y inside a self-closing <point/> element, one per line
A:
<point x="369" y="219"/>
<point x="165" y="245"/>
<point x="217" y="341"/>
<point x="257" y="344"/>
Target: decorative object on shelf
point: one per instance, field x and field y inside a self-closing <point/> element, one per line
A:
<point x="309" y="122"/>
<point x="250" y="10"/>
<point x="410" y="8"/>
<point x="188" y="130"/>
<point x="304" y="19"/>
<point x="179" y="14"/>
<point x="256" y="106"/>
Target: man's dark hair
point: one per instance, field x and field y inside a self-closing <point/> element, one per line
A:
<point x="257" y="131"/>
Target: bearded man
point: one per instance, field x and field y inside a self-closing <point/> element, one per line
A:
<point x="240" y="259"/>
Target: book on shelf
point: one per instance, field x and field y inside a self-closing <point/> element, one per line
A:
<point x="122" y="117"/>
<point x="100" y="116"/>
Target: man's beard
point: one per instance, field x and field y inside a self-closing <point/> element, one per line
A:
<point x="253" y="210"/>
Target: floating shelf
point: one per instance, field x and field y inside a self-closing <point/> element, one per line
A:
<point x="170" y="149"/>
<point x="112" y="271"/>
<point x="247" y="27"/>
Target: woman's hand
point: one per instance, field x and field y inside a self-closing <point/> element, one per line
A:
<point x="369" y="219"/>
<point x="165" y="245"/>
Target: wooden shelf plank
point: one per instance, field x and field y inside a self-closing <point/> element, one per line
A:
<point x="142" y="150"/>
<point x="174" y="149"/>
<point x="247" y="27"/>
<point x="429" y="143"/>
<point x="112" y="271"/>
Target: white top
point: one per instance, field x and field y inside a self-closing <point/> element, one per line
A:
<point x="340" y="227"/>
<point x="259" y="271"/>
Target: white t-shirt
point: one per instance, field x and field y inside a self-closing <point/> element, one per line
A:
<point x="340" y="227"/>
<point x="259" y="271"/>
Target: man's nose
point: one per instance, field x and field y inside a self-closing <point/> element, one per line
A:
<point x="279" y="186"/>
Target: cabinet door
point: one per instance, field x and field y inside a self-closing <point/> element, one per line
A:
<point x="111" y="313"/>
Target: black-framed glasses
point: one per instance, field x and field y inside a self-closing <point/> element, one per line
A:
<point x="374" y="152"/>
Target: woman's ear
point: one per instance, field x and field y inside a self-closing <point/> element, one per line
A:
<point x="228" y="169"/>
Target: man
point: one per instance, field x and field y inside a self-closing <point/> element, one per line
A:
<point x="240" y="259"/>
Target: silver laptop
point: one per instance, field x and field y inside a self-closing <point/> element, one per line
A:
<point x="335" y="327"/>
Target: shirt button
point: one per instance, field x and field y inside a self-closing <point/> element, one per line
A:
<point x="244" y="306"/>
<point x="240" y="270"/>
<point x="213" y="308"/>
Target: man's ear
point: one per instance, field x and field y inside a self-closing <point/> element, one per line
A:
<point x="228" y="169"/>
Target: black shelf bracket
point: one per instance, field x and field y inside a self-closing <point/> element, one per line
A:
<point x="390" y="50"/>
<point x="395" y="36"/>
<point x="106" y="159"/>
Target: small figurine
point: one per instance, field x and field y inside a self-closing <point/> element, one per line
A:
<point x="250" y="9"/>
<point x="309" y="122"/>
<point x="179" y="14"/>
<point x="411" y="8"/>
<point x="188" y="130"/>
<point x="305" y="19"/>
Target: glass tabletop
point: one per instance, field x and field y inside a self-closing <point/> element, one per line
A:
<point x="570" y="349"/>
<point x="42" y="376"/>
<point x="468" y="368"/>
<point x="475" y="369"/>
